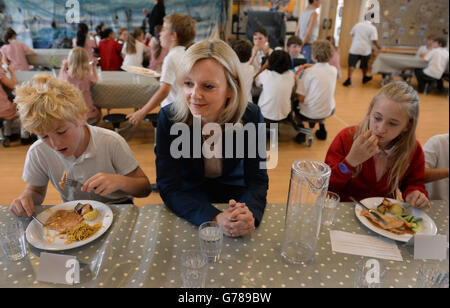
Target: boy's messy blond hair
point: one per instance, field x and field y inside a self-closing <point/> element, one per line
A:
<point x="46" y="102"/>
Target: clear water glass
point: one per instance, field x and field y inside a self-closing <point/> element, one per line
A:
<point x="329" y="209"/>
<point x="211" y="239"/>
<point x="12" y="240"/>
<point x="193" y="269"/>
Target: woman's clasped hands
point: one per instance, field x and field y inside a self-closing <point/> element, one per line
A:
<point x="237" y="220"/>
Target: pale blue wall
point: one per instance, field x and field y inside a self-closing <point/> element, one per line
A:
<point x="32" y="18"/>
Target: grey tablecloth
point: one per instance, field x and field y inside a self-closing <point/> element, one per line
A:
<point x="48" y="57"/>
<point x="114" y="89"/>
<point x="143" y="246"/>
<point x="394" y="62"/>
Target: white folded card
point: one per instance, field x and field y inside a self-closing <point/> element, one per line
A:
<point x="364" y="245"/>
<point x="57" y="268"/>
<point x="431" y="247"/>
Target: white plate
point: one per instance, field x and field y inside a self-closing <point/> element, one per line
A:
<point x="427" y="225"/>
<point x="36" y="234"/>
<point x="141" y="71"/>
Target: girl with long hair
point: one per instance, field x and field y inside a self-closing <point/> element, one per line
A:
<point x="381" y="155"/>
<point x="81" y="74"/>
<point x="134" y="49"/>
<point x="83" y="40"/>
<point x="14" y="52"/>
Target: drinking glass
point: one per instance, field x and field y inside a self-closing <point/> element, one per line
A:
<point x="369" y="273"/>
<point x="329" y="209"/>
<point x="12" y="240"/>
<point x="432" y="276"/>
<point x="193" y="269"/>
<point x="211" y="239"/>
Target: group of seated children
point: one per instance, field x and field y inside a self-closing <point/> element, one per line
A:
<point x="272" y="72"/>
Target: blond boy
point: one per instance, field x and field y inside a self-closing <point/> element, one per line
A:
<point x="98" y="159"/>
<point x="177" y="33"/>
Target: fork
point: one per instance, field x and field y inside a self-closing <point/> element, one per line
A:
<point x="72" y="183"/>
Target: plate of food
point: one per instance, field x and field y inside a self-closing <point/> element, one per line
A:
<point x="69" y="225"/>
<point x="401" y="223"/>
<point x="141" y="71"/>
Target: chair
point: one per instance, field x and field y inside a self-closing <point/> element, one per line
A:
<point x="116" y="119"/>
<point x="291" y="121"/>
<point x="4" y="139"/>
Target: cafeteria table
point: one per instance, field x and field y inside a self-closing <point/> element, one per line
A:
<point x="51" y="58"/>
<point x="142" y="248"/>
<point x="388" y="64"/>
<point x="114" y="89"/>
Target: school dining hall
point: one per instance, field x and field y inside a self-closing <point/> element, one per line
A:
<point x="221" y="145"/>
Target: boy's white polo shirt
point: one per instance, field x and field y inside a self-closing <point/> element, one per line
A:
<point x="363" y="34"/>
<point x="317" y="86"/>
<point x="171" y="62"/>
<point x="275" y="98"/>
<point x="437" y="62"/>
<point x="107" y="152"/>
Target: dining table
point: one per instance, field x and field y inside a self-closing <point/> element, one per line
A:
<point x="391" y="63"/>
<point x="114" y="89"/>
<point x="143" y="246"/>
<point x="50" y="58"/>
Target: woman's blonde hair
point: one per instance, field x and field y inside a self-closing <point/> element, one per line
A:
<point x="224" y="55"/>
<point x="131" y="41"/>
<point x="45" y="102"/>
<point x="78" y="62"/>
<point x="404" y="145"/>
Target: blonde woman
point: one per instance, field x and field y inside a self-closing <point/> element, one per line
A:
<point x="211" y="91"/>
<point x="81" y="74"/>
<point x="134" y="49"/>
<point x="98" y="158"/>
<point x="382" y="154"/>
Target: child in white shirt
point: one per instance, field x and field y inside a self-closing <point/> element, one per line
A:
<point x="243" y="50"/>
<point x="177" y="33"/>
<point x="315" y="90"/>
<point x="437" y="60"/>
<point x="134" y="49"/>
<point x="277" y="82"/>
<point x="99" y="159"/>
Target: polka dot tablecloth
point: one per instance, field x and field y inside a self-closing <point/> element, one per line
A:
<point x="143" y="246"/>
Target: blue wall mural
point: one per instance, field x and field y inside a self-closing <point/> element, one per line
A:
<point x="39" y="22"/>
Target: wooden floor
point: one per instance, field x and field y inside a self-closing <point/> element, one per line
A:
<point x="351" y="106"/>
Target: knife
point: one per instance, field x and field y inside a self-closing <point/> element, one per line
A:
<point x="371" y="211"/>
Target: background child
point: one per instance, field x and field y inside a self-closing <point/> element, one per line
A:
<point x="243" y="49"/>
<point x="157" y="52"/>
<point x="8" y="110"/>
<point x="382" y="154"/>
<point x="315" y="90"/>
<point x="110" y="51"/>
<point x="122" y="36"/>
<point x="15" y="51"/>
<point x="78" y="72"/>
<point x="134" y="49"/>
<point x="424" y="49"/>
<point x="83" y="40"/>
<point x="335" y="58"/>
<point x="261" y="48"/>
<point x="277" y="82"/>
<point x="294" y="48"/>
<point x="437" y="166"/>
<point x="177" y="33"/>
<point x="437" y="60"/>
<point x="98" y="158"/>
